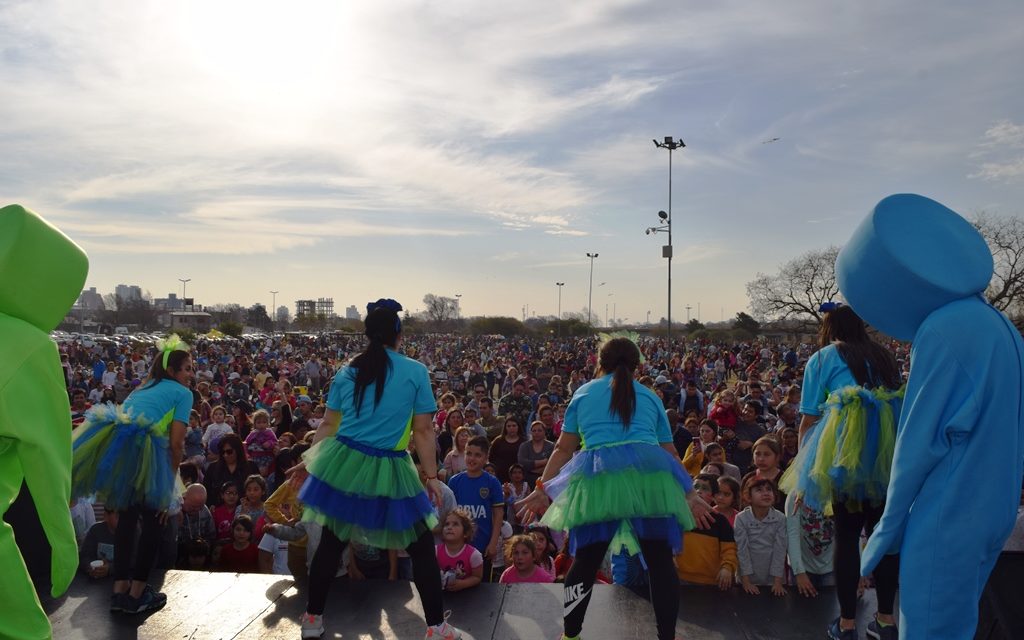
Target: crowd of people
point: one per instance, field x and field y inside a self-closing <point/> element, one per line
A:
<point x="497" y="410"/>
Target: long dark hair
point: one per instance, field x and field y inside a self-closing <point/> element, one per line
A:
<point x="619" y="357"/>
<point x="157" y="372"/>
<point x="871" y="364"/>
<point x="372" y="366"/>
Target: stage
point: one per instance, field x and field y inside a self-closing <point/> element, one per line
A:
<point x="220" y="605"/>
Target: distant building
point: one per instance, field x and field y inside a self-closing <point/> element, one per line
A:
<point x="198" y="321"/>
<point x="352" y="313"/>
<point x="128" y="292"/>
<point x="323" y="307"/>
<point x="171" y="303"/>
<point x="90" y="300"/>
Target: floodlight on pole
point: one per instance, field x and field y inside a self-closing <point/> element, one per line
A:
<point x="273" y="308"/>
<point x="590" y="297"/>
<point x="559" y="285"/>
<point x="666" y="217"/>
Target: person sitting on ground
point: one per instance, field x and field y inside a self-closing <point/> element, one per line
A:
<point x="462" y="566"/>
<point x="241" y="555"/>
<point x="98" y="547"/>
<point x="196" y="520"/>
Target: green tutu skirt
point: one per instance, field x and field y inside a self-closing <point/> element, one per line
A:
<point x="372" y="496"/>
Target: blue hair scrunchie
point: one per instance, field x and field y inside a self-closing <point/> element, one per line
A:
<point x="387" y="303"/>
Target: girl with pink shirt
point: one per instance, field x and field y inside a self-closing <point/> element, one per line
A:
<point x="462" y="566"/>
<point x="521" y="552"/>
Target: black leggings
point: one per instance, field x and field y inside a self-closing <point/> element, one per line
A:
<point x="124" y="543"/>
<point x="425" y="573"/>
<point x="579" y="584"/>
<point x="847" y="560"/>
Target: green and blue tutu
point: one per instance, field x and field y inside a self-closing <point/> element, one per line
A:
<point x="369" y="495"/>
<point x="620" y="494"/>
<point x="123" y="459"/>
<point x="847" y="455"/>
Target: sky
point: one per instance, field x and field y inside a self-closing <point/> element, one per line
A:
<point x="358" y="150"/>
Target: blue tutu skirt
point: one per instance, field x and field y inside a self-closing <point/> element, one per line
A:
<point x="847" y="455"/>
<point x="620" y="494"/>
<point x="373" y="496"/>
<point x="124" y="460"/>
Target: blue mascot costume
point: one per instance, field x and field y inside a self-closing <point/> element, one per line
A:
<point x="917" y="271"/>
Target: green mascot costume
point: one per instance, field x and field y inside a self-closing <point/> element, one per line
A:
<point x="41" y="276"/>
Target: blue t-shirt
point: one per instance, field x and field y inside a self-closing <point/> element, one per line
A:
<point x="478" y="496"/>
<point x="153" y="402"/>
<point x="589" y="415"/>
<point x="826" y="371"/>
<point x="388" y="425"/>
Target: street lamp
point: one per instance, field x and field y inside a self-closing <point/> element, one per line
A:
<point x="559" y="285"/>
<point x="273" y="309"/>
<point x="183" y="282"/>
<point x="590" y="297"/>
<point x="458" y="306"/>
<point x="666" y="251"/>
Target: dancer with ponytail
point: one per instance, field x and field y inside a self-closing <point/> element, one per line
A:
<point x="128" y="456"/>
<point x="851" y="400"/>
<point x="362" y="485"/>
<point x="626" y="488"/>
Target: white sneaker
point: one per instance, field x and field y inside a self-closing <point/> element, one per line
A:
<point x="312" y="626"/>
<point x="443" y="631"/>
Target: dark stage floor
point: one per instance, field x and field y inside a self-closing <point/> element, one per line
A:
<point x="218" y="605"/>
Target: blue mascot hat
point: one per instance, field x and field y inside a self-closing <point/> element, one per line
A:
<point x="909" y="257"/>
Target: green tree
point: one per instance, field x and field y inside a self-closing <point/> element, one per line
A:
<point x="746" y="323"/>
<point x="496" y="326"/>
<point x="693" y="325"/>
<point x="230" y="328"/>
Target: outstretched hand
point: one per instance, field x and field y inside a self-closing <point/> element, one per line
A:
<point x="700" y="510"/>
<point x="297" y="474"/>
<point x="532" y="507"/>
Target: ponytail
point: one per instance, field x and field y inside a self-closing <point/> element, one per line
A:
<point x="620" y="357"/>
<point x="623" y="395"/>
<point x="373" y="365"/>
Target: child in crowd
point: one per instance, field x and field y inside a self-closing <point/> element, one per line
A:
<point x="546" y="548"/>
<point x="715" y="452"/>
<point x="767" y="454"/>
<point x="194" y="451"/>
<point x="252" y="504"/>
<point x="723" y="411"/>
<point x="198" y="555"/>
<point x="261" y="443"/>
<point x="241" y="556"/>
<point x="709" y="555"/>
<point x="514" y="490"/>
<point x="368" y="562"/>
<point x="224" y="513"/>
<point x="727" y="498"/>
<point x="216" y="429"/>
<point x="522" y="552"/>
<point x="498" y="564"/>
<point x="810" y="534"/>
<point x="455" y="460"/>
<point x="462" y="566"/>
<point x="480" y="494"/>
<point x="761" y="539"/>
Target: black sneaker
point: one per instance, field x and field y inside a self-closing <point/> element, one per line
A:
<point x="119" y="602"/>
<point x="879" y="632"/>
<point x="150" y="600"/>
<point x="837" y="633"/>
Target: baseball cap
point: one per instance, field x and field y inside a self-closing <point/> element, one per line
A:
<point x="305" y="398"/>
<point x="660" y="380"/>
<point x="234" y="376"/>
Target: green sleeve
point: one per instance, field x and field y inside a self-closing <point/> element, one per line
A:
<point x="34" y="412"/>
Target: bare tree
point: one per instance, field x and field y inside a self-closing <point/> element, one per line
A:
<point x="798" y="289"/>
<point x="440" y="309"/>
<point x="1005" y="238"/>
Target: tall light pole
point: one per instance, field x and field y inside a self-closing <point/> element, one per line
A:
<point x="666" y="251"/>
<point x="458" y="306"/>
<point x="559" y="285"/>
<point x="183" y="282"/>
<point x="590" y="297"/>
<point x="273" y="309"/>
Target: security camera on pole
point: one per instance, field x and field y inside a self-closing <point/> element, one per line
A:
<point x="666" y="219"/>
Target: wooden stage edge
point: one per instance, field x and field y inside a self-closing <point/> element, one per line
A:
<point x="221" y="606"/>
